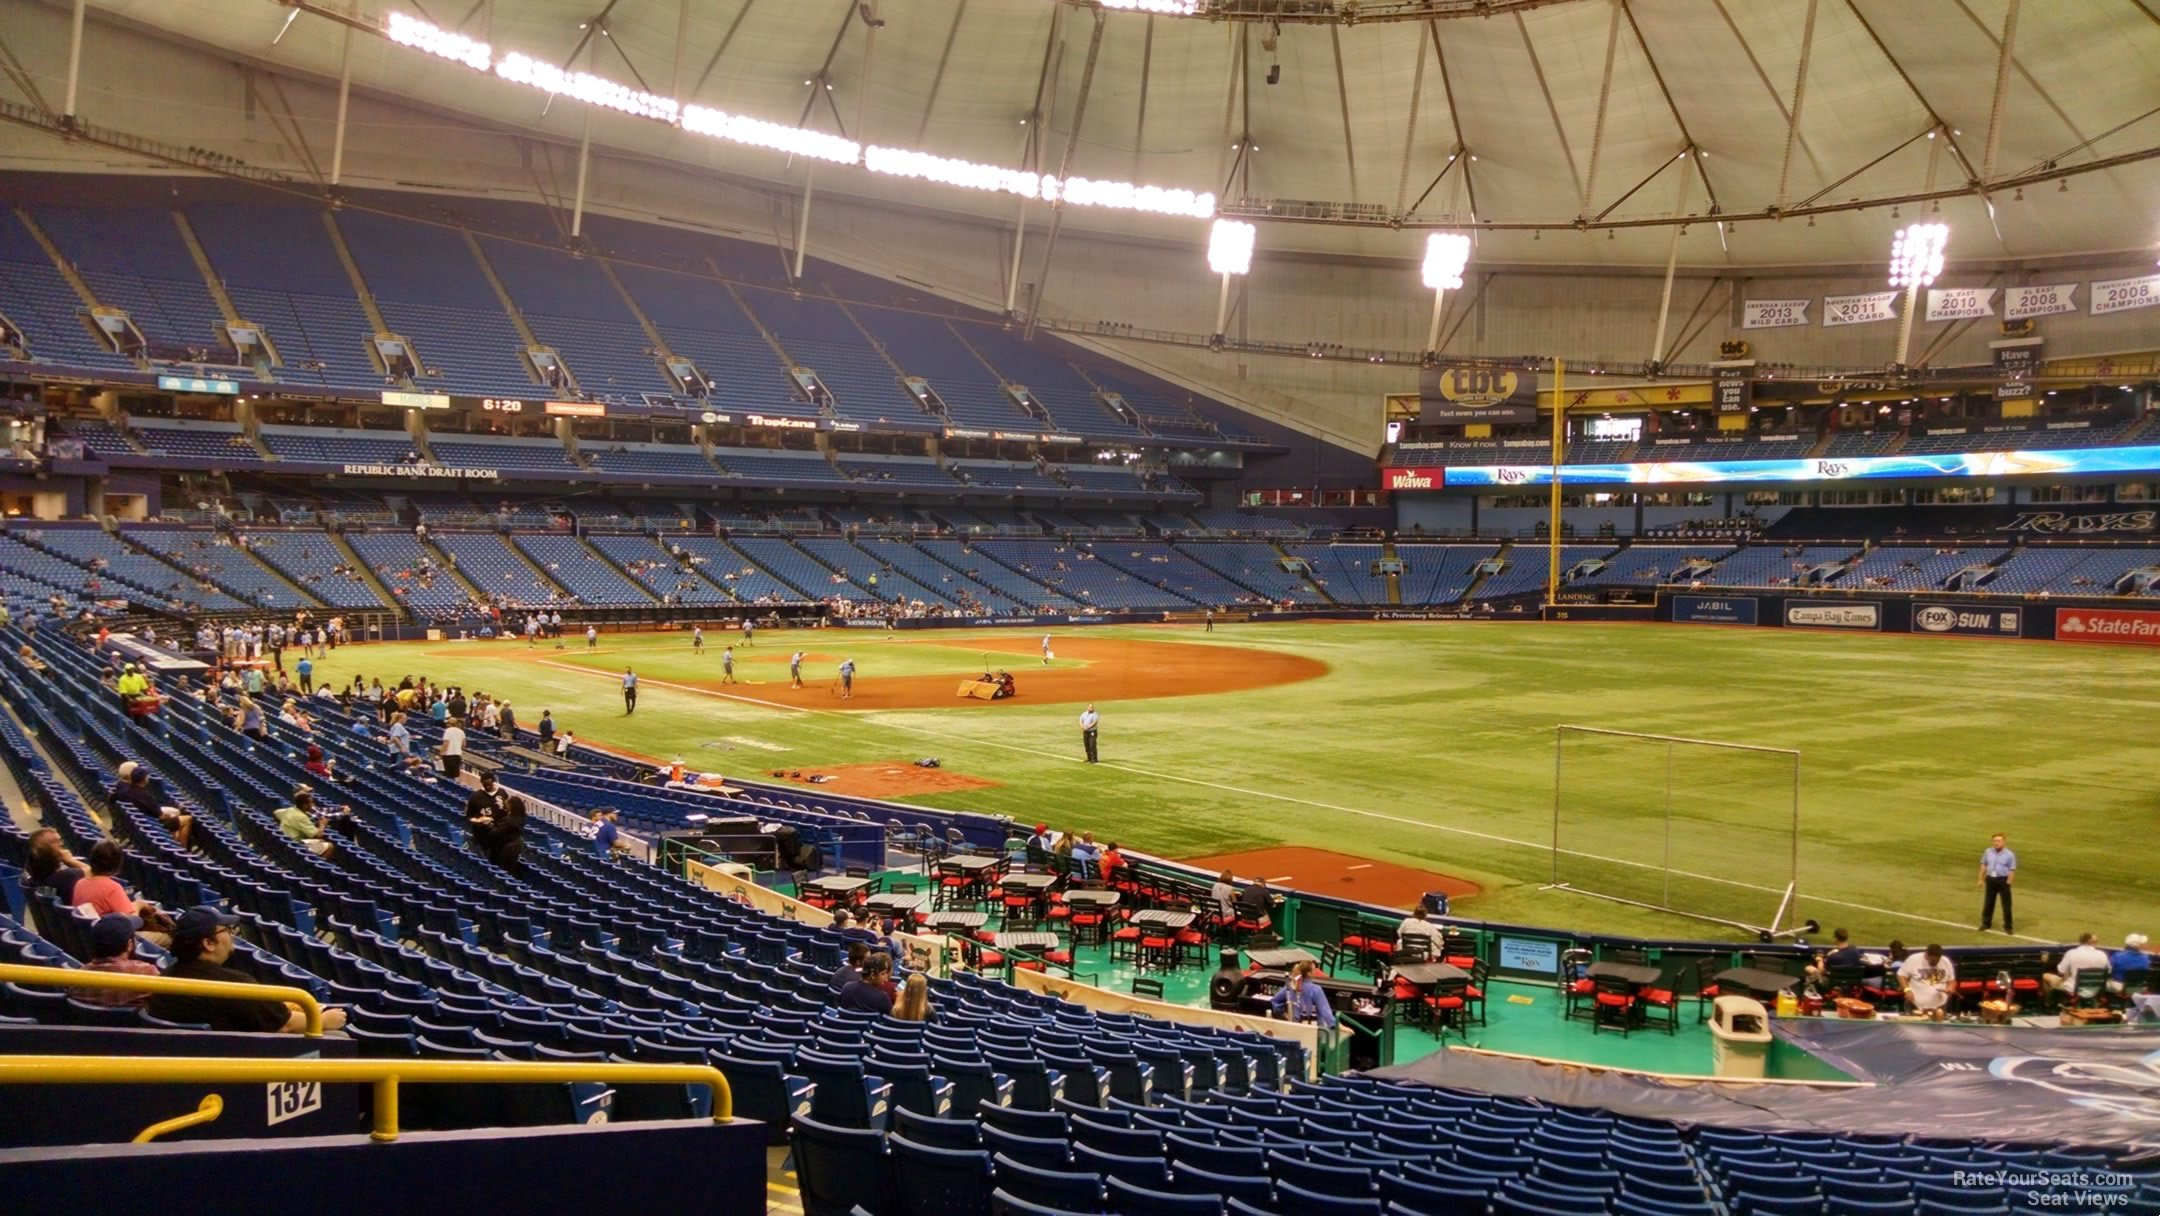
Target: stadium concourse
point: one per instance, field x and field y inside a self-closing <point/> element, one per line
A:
<point x="497" y="503"/>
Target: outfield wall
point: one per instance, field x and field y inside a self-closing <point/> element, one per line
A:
<point x="2105" y="621"/>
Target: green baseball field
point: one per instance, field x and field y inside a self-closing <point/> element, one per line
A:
<point x="1433" y="747"/>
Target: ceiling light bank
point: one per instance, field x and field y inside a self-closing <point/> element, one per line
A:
<point x="795" y="141"/>
<point x="1172" y="8"/>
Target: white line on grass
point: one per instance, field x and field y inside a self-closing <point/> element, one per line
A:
<point x="1269" y="794"/>
<point x="1364" y="866"/>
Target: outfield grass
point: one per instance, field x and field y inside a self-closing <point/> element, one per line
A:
<point x="1433" y="745"/>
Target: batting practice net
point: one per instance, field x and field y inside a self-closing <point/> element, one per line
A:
<point x="1691" y="826"/>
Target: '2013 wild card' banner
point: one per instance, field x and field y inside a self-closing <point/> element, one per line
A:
<point x="1459" y="390"/>
<point x="1773" y="314"/>
<point x="1960" y="303"/>
<point x="1859" y="310"/>
<point x="2042" y="300"/>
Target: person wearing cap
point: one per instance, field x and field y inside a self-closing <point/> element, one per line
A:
<point x="2127" y="962"/>
<point x="1038" y="845"/>
<point x="112" y="951"/>
<point x="133" y="791"/>
<point x="302" y="822"/>
<point x="202" y="943"/>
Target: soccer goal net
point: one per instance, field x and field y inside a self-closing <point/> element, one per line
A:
<point x="1691" y="826"/>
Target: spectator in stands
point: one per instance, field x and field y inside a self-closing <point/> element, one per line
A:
<point x="563" y="743"/>
<point x="1416" y="926"/>
<point x="2129" y="961"/>
<point x="248" y="718"/>
<point x="1843" y="956"/>
<point x="481" y="807"/>
<point x="51" y="865"/>
<point x="1087" y="855"/>
<point x="2085" y="956"/>
<point x="102" y="891"/>
<point x="133" y="790"/>
<point x="914" y="1003"/>
<point x="1928" y="980"/>
<point x="202" y="942"/>
<point x="607" y="838"/>
<point x="112" y="951"/>
<point x="505" y="840"/>
<point x="29" y="658"/>
<point x="850" y="972"/>
<point x="319" y="764"/>
<point x="1224" y="895"/>
<point x="1301" y="1000"/>
<point x="1256" y="905"/>
<point x="452" y="749"/>
<point x="1113" y="863"/>
<point x="867" y="994"/>
<point x="400" y="738"/>
<point x="301" y="821"/>
<point x="506" y="721"/>
<point x="546" y="729"/>
<point x="1038" y="845"/>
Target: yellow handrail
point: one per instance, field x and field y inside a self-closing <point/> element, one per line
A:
<point x="212" y="1106"/>
<point x="60" y="977"/>
<point x="384" y="1075"/>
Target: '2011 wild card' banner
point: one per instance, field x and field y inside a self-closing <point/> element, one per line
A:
<point x="1461" y="390"/>
<point x="1773" y="314"/>
<point x="1960" y="303"/>
<point x="1859" y="310"/>
<point x="2042" y="300"/>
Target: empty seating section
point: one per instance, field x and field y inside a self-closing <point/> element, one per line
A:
<point x="783" y="561"/>
<point x="545" y="455"/>
<point x="1912" y="568"/>
<point x="414" y="575"/>
<point x="924" y="346"/>
<point x="103" y="553"/>
<point x="1104" y="479"/>
<point x="778" y="466"/>
<point x="98" y="437"/>
<point x="859" y="565"/>
<point x="731" y="569"/>
<point x="1441" y="574"/>
<point x="134" y="258"/>
<point x="282" y="273"/>
<point x="212" y="557"/>
<point x="1526" y="568"/>
<point x="569" y="562"/>
<point x="35" y="576"/>
<point x="1245" y="524"/>
<point x="429" y="288"/>
<point x="661" y="573"/>
<point x="336" y="445"/>
<point x="949" y="584"/>
<point x="37" y="297"/>
<point x="1773" y="565"/>
<point x="1162" y="415"/>
<point x="201" y="440"/>
<point x="1344" y="571"/>
<point x="649" y="459"/>
<point x="1006" y="476"/>
<point x="897" y="471"/>
<point x="489" y="562"/>
<point x="1060" y="387"/>
<point x="2042" y="438"/>
<point x="570" y="305"/>
<point x="1651" y="563"/>
<point x="975" y="560"/>
<point x="1122" y="577"/>
<point x="1860" y="443"/>
<point x="818" y="334"/>
<point x="1256" y="567"/>
<point x="312" y="559"/>
<point x="1598" y="451"/>
<point x="702" y="323"/>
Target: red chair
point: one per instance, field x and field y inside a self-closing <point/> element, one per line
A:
<point x="1613" y="1002"/>
<point x="1124" y="940"/>
<point x="1576" y="989"/>
<point x="1447" y="1003"/>
<point x="1474" y="993"/>
<point x="1157" y="949"/>
<point x="1661" y="998"/>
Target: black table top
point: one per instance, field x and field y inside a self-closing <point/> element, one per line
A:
<point x="1279" y="957"/>
<point x="1430" y="973"/>
<point x="972" y="864"/>
<point x="1755" y="979"/>
<point x="1165" y="920"/>
<point x="958" y="920"/>
<point x="1638" y="974"/>
<point x="1027" y="941"/>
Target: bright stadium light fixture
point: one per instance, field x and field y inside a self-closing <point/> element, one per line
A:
<point x="1446" y="253"/>
<point x="584" y="86"/>
<point x="421" y="36"/>
<point x="1229" y="252"/>
<point x="1916" y="258"/>
<point x="900" y="162"/>
<point x="1168" y="8"/>
<point x="795" y="141"/>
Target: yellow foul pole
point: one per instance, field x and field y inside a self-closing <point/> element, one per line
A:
<point x="1559" y="455"/>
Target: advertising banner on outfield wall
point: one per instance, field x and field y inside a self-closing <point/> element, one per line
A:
<point x="1810" y="615"/>
<point x="2120" y="625"/>
<point x="1969" y="620"/>
<point x="1715" y="609"/>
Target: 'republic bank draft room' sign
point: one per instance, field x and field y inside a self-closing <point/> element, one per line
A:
<point x="1468" y="391"/>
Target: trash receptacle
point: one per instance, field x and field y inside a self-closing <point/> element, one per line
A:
<point x="1739" y="1037"/>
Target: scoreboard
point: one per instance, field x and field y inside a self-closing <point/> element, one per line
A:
<point x="512" y="407"/>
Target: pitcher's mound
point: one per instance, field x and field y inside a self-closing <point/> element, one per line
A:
<point x="1324" y="873"/>
<point x="884" y="779"/>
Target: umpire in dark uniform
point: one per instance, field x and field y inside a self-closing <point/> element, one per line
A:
<point x="1089" y="721"/>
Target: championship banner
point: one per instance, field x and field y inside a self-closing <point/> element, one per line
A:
<point x="1859" y="310"/>
<point x="1453" y="391"/>
<point x="1773" y="314"/>
<point x="2122" y="295"/>
<point x="2017" y="361"/>
<point x="1960" y="303"/>
<point x="1732" y="387"/>
<point x="2041" y="301"/>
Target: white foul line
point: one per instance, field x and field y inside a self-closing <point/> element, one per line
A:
<point x="1250" y="793"/>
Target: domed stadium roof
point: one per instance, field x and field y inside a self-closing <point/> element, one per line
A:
<point x="1569" y="131"/>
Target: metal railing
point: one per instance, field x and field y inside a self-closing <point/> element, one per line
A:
<point x="57" y="977"/>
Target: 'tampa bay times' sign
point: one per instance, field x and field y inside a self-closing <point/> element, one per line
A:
<point x="1414" y="479"/>
<point x="1970" y="620"/>
<point x="2120" y="625"/>
<point x="1800" y="615"/>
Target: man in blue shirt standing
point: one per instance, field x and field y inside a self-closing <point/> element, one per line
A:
<point x="629" y="691"/>
<point x="306" y="670"/>
<point x="1301" y="1000"/>
<point x="1998" y="867"/>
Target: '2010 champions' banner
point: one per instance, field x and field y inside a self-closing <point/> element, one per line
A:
<point x="1462" y="390"/>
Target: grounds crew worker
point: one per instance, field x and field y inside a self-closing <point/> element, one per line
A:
<point x="1089" y="721"/>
